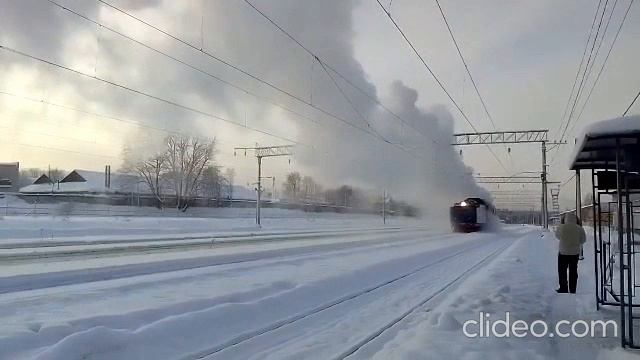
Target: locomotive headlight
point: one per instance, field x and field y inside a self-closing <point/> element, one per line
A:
<point x="463" y="203"/>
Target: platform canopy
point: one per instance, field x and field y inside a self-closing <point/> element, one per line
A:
<point x="596" y="146"/>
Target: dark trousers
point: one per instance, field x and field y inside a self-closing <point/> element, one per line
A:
<point x="568" y="262"/>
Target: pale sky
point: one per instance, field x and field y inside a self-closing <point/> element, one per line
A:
<point x="523" y="55"/>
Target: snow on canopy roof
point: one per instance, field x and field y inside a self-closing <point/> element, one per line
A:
<point x="596" y="144"/>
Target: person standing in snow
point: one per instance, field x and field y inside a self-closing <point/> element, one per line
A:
<point x="571" y="237"/>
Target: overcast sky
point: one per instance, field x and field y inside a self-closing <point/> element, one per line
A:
<point x="523" y="56"/>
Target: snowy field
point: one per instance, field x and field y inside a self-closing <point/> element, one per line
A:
<point x="151" y="224"/>
<point x="399" y="292"/>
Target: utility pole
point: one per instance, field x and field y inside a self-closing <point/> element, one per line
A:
<point x="384" y="206"/>
<point x="515" y="137"/>
<point x="543" y="178"/>
<point x="262" y="152"/>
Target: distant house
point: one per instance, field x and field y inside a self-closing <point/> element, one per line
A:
<point x="95" y="183"/>
<point x="86" y="182"/>
<point x="9" y="177"/>
<point x="43" y="179"/>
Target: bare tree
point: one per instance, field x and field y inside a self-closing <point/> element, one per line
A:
<point x="292" y="185"/>
<point x="151" y="170"/>
<point x="187" y="158"/>
<point x="212" y="183"/>
<point x="309" y="187"/>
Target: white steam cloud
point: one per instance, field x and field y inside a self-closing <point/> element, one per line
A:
<point x="331" y="151"/>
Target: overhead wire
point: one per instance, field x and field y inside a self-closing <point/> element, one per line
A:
<point x="466" y="67"/>
<point x="566" y="120"/>
<point x="435" y="77"/>
<point x="604" y="63"/>
<point x="584" y="54"/>
<point x="585" y="72"/>
<point x="631" y="105"/>
<point x="143" y="93"/>
<point x="328" y="66"/>
<point x="239" y="69"/>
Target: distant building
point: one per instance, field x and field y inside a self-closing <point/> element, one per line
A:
<point x="9" y="177"/>
<point x="86" y="182"/>
<point x="43" y="179"/>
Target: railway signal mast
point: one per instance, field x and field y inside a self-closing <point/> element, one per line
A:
<point x="515" y="137"/>
<point x="262" y="152"/>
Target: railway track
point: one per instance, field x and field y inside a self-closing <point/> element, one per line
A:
<point x="244" y="338"/>
<point x="67" y="250"/>
<point x="87" y="275"/>
<point x="354" y="349"/>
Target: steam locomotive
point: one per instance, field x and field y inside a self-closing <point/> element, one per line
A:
<point x="471" y="214"/>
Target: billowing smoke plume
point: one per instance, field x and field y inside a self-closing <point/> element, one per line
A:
<point x="412" y="158"/>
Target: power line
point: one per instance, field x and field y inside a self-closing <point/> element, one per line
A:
<point x="424" y="63"/>
<point x="353" y="106"/>
<point x="139" y="92"/>
<point x="466" y="67"/>
<point x="233" y="85"/>
<point x="237" y="68"/>
<point x="575" y="99"/>
<point x="584" y="53"/>
<point x="142" y="93"/>
<point x="589" y="67"/>
<point x="103" y="116"/>
<point x="604" y="34"/>
<point x="66" y="107"/>
<point x="604" y="63"/>
<point x="630" y="105"/>
<point x="324" y="63"/>
<point x="212" y="75"/>
<point x="584" y="73"/>
<point x="2" y="47"/>
<point x="567" y="181"/>
<point x="226" y="63"/>
<point x="602" y="67"/>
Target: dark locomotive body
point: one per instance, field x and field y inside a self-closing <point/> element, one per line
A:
<point x="471" y="214"/>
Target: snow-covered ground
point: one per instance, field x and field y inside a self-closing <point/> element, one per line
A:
<point x="224" y="220"/>
<point x="400" y="294"/>
<point x="522" y="281"/>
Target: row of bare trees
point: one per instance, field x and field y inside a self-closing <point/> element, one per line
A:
<point x="299" y="188"/>
<point x="185" y="166"/>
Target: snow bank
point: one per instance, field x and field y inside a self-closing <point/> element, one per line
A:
<point x="522" y="282"/>
<point x="212" y="307"/>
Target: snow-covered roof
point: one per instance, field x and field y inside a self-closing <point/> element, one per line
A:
<point x="86" y="181"/>
<point x="597" y="142"/>
<point x="43" y="179"/>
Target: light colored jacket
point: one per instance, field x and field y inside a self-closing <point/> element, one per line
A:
<point x="571" y="236"/>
